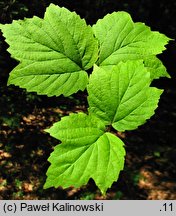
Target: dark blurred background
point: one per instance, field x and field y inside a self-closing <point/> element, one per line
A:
<point x="150" y="169"/>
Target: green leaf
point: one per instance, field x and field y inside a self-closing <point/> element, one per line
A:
<point x="156" y="68"/>
<point x="54" y="52"/>
<point x="120" y="39"/>
<point x="121" y="97"/>
<point x="86" y="152"/>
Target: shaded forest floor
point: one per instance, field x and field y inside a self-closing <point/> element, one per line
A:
<point x="150" y="167"/>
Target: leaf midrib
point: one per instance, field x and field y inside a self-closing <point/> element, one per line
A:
<point x="120" y="102"/>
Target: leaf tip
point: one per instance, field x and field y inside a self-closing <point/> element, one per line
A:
<point x="47" y="130"/>
<point x="46" y="186"/>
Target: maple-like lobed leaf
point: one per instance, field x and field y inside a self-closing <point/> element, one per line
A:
<point x="86" y="151"/>
<point x="54" y="52"/>
<point x="120" y="39"/>
<point x="122" y="97"/>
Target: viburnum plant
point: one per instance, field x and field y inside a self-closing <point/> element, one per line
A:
<point x="54" y="55"/>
